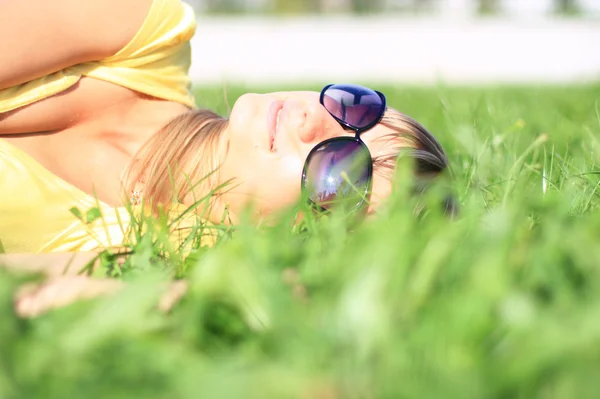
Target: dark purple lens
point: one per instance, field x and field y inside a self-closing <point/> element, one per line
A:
<point x="355" y="105"/>
<point x="338" y="172"/>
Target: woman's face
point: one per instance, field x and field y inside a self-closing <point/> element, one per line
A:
<point x="266" y="144"/>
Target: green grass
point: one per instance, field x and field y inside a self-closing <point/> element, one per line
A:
<point x="503" y="302"/>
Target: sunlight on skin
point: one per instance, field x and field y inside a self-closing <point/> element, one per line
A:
<point x="64" y="286"/>
<point x="271" y="135"/>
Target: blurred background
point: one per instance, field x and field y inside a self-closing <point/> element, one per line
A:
<point x="484" y="7"/>
<point x="391" y="41"/>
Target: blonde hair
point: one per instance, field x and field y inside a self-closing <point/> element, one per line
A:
<point x="409" y="137"/>
<point x="178" y="157"/>
<point x="184" y="153"/>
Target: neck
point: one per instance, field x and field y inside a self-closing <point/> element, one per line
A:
<point x="118" y="138"/>
<point x="128" y="131"/>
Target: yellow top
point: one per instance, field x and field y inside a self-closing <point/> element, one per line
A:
<point x="35" y="210"/>
<point x="155" y="62"/>
<point x="34" y="203"/>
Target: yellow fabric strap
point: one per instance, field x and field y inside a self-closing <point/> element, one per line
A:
<point x="155" y="62"/>
<point x="35" y="210"/>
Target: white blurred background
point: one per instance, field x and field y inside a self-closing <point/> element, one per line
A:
<point x="408" y="41"/>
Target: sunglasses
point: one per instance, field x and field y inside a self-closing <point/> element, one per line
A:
<point x="339" y="171"/>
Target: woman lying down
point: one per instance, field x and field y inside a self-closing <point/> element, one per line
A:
<point x="96" y="111"/>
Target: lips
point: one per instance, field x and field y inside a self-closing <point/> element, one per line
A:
<point x="273" y="116"/>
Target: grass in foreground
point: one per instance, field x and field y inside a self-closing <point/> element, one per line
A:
<point x="502" y="303"/>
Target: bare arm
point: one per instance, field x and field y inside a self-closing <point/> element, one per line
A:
<point x="39" y="37"/>
<point x="64" y="286"/>
<point x="48" y="264"/>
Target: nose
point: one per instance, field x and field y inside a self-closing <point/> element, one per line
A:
<point x="318" y="125"/>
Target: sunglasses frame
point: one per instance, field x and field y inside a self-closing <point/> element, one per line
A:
<point x="356" y="139"/>
<point x="358" y="131"/>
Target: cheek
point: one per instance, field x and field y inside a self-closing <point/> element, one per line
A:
<point x="282" y="176"/>
<point x="382" y="189"/>
<point x="265" y="182"/>
<point x="275" y="184"/>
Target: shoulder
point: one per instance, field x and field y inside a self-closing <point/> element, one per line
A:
<point x="42" y="37"/>
<point x="168" y="23"/>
